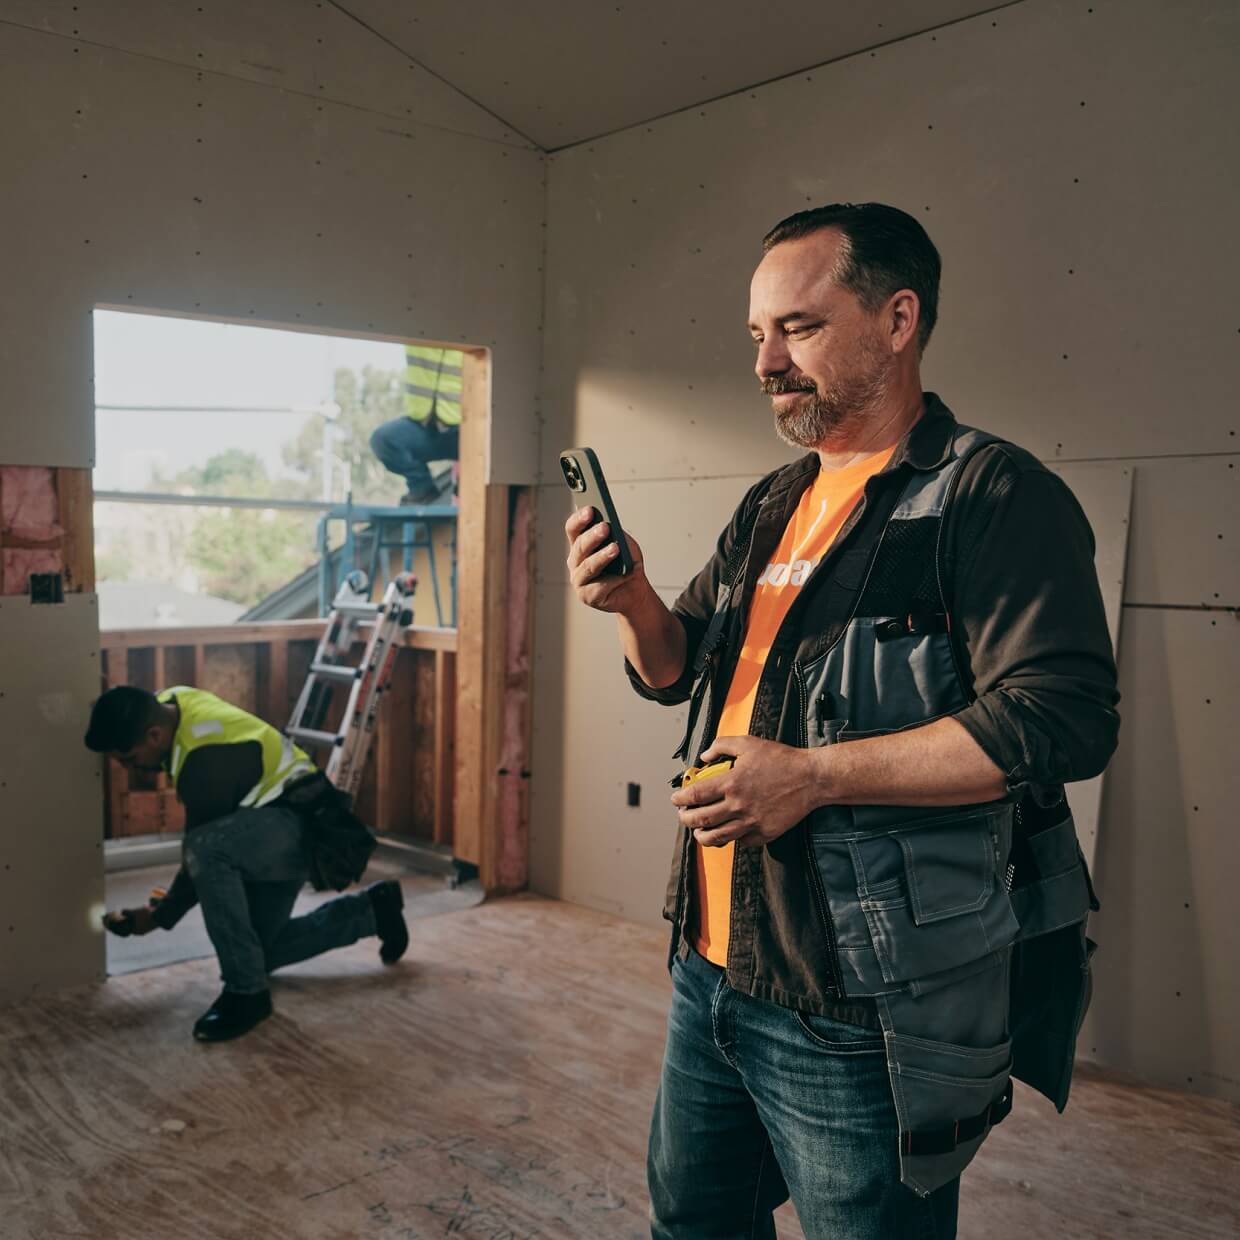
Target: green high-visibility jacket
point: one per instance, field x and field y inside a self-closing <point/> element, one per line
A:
<point x="433" y="384"/>
<point x="209" y="720"/>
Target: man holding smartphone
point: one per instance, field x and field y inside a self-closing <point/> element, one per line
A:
<point x="878" y="911"/>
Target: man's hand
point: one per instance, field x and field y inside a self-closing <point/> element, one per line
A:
<point x="590" y="551"/>
<point x="131" y="921"/>
<point x="768" y="791"/>
<point x="652" y="638"/>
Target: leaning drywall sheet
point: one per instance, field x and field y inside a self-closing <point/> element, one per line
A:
<point x="1104" y="491"/>
<point x="146" y="184"/>
<point x="51" y="806"/>
<point x="1185" y="527"/>
<point x="1166" y="988"/>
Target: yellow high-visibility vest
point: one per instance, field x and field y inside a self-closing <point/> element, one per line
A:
<point x="433" y="384"/>
<point x="209" y="720"/>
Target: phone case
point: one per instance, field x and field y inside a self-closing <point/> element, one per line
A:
<point x="580" y="465"/>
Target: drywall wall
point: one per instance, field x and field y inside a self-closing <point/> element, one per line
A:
<point x="284" y="167"/>
<point x="275" y="163"/>
<point x="51" y="833"/>
<point x="1073" y="163"/>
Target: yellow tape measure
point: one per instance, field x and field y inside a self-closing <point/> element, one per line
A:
<point x="695" y="774"/>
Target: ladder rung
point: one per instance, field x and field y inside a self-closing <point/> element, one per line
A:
<point x="357" y="609"/>
<point x="335" y="671"/>
<point x="311" y="737"/>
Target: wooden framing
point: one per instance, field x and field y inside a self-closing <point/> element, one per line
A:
<point x="265" y="632"/>
<point x="75" y="498"/>
<point x="482" y="547"/>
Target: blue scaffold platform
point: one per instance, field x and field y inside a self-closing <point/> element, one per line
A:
<point x="414" y="526"/>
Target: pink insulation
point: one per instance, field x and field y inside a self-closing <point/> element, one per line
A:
<point x="30" y="532"/>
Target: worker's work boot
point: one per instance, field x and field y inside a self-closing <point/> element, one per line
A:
<point x="388" y="899"/>
<point x="428" y="494"/>
<point x="231" y="1015"/>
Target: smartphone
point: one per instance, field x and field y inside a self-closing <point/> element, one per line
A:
<point x="584" y="476"/>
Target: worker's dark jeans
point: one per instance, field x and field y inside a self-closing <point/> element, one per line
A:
<point x="757" y="1101"/>
<point x="248" y="868"/>
<point x="405" y="447"/>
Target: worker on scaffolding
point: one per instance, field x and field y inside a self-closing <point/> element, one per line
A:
<point x="260" y="821"/>
<point x="430" y="429"/>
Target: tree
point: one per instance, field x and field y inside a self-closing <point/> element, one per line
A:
<point x="244" y="554"/>
<point x="366" y="401"/>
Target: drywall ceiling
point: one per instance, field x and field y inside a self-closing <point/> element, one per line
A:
<point x="560" y="71"/>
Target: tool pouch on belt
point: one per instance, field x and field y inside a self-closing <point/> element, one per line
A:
<point x="338" y="844"/>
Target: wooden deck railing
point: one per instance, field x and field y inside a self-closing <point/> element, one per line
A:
<point x="408" y="789"/>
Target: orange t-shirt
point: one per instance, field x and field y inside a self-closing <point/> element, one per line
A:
<point x="819" y="516"/>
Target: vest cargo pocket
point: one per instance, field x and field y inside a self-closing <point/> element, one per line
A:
<point x="1051" y="988"/>
<point x="931" y="895"/>
<point x="947" y="1098"/>
<point x="1052" y="887"/>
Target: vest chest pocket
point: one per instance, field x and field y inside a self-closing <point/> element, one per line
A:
<point x="932" y="895"/>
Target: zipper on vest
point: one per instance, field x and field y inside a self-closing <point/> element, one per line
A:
<point x="1009" y="875"/>
<point x="835" y="984"/>
<point x="798" y="679"/>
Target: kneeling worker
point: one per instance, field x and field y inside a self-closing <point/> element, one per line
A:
<point x="251" y="797"/>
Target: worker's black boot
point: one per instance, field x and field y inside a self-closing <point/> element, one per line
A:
<point x="388" y="899"/>
<point x="231" y="1015"/>
<point x="427" y="494"/>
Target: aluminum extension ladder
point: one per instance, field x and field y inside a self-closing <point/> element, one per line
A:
<point x="351" y="612"/>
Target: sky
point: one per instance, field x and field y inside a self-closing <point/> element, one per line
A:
<point x="143" y="359"/>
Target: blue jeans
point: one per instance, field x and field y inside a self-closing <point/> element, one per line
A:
<point x="248" y="868"/>
<point x="405" y="447"/>
<point x="758" y="1102"/>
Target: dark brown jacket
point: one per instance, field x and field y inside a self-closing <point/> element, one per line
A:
<point x="1030" y="637"/>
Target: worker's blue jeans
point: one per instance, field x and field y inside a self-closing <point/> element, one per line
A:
<point x="405" y="447"/>
<point x="248" y="868"/>
<point x="757" y="1102"/>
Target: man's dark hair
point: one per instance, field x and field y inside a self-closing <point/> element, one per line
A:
<point x="885" y="249"/>
<point x="119" y="718"/>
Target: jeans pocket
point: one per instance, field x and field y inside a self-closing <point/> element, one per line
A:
<point x="947" y="1098"/>
<point x="838" y="1036"/>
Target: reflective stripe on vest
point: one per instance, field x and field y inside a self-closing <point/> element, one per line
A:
<point x="433" y="379"/>
<point x="209" y="720"/>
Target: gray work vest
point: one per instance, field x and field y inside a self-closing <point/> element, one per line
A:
<point x="966" y="924"/>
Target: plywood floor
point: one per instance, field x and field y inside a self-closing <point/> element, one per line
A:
<point x="497" y="1084"/>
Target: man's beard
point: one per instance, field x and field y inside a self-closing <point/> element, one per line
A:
<point x="831" y="415"/>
